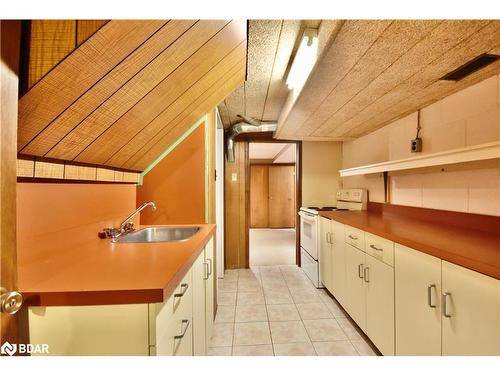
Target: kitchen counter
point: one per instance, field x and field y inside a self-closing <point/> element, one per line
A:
<point x="469" y="247"/>
<point x="62" y="271"/>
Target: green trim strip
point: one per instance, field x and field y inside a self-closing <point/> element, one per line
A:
<point x="171" y="148"/>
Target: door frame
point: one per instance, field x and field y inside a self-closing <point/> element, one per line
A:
<point x="298" y="190"/>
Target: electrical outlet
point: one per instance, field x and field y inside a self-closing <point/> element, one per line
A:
<point x="416" y="145"/>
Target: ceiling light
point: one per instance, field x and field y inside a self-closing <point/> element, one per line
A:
<point x="304" y="61"/>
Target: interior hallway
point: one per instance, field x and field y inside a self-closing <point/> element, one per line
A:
<point x="276" y="311"/>
<point x="272" y="247"/>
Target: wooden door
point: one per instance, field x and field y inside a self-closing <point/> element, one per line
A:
<point x="199" y="307"/>
<point x="282" y="196"/>
<point x="470" y="313"/>
<point x="325" y="254"/>
<point x="338" y="261"/>
<point x="259" y="196"/>
<point x="355" y="289"/>
<point x="417" y="302"/>
<point x="13" y="326"/>
<point x="379" y="286"/>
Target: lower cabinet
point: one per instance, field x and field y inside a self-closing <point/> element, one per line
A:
<point x="379" y="287"/>
<point x="444" y="309"/>
<point x="181" y="326"/>
<point x="355" y="299"/>
<point x="418" y="303"/>
<point x="470" y="319"/>
<point x="325" y="253"/>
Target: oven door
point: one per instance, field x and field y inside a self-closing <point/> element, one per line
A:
<point x="309" y="233"/>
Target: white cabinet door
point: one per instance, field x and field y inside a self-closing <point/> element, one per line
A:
<point x="325" y="254"/>
<point x="470" y="312"/>
<point x="209" y="288"/>
<point x="199" y="313"/>
<point x="338" y="261"/>
<point x="379" y="286"/>
<point x="355" y="289"/>
<point x="417" y="302"/>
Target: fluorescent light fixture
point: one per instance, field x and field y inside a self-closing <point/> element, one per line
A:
<point x="304" y="60"/>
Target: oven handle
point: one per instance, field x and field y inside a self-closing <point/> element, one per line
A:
<point x="307" y="217"/>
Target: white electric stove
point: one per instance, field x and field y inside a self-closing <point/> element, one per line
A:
<point x="347" y="199"/>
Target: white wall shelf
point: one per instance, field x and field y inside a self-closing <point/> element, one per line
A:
<point x="483" y="151"/>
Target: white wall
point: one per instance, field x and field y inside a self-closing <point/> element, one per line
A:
<point x="466" y="118"/>
<point x="320" y="178"/>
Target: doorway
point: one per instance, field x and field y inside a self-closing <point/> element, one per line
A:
<point x="273" y="191"/>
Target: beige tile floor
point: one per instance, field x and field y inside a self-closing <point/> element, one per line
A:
<point x="275" y="310"/>
<point x="270" y="247"/>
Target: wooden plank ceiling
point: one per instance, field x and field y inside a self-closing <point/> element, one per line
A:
<point x="271" y="44"/>
<point x="375" y="72"/>
<point x="131" y="89"/>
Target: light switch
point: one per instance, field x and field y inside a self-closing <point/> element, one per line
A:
<point x="234" y="177"/>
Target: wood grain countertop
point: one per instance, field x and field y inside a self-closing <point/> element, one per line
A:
<point x="464" y="245"/>
<point x="59" y="271"/>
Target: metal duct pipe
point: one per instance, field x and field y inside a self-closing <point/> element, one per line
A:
<point x="246" y="127"/>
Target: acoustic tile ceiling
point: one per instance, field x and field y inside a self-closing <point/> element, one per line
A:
<point x="368" y="73"/>
<point x="271" y="45"/>
<point x="128" y="92"/>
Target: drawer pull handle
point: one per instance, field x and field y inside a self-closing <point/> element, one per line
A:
<point x="366" y="274"/>
<point x="376" y="248"/>
<point x="445" y="305"/>
<point x="185" y="326"/>
<point x="206" y="276"/>
<point x="360" y="271"/>
<point x="429" y="295"/>
<point x="353" y="237"/>
<point x="209" y="266"/>
<point x="184" y="288"/>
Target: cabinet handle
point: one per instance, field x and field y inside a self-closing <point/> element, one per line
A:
<point x="328" y="237"/>
<point x="184" y="288"/>
<point x="185" y="326"/>
<point x="429" y="295"/>
<point x="376" y="248"/>
<point x="352" y="237"/>
<point x="366" y="274"/>
<point x="360" y="271"/>
<point x="209" y="266"/>
<point x="445" y="305"/>
<point x="207" y="274"/>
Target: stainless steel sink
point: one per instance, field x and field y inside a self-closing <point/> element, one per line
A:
<point x="158" y="234"/>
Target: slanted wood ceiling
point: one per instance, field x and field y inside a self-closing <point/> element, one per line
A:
<point x="128" y="92"/>
<point x="271" y="44"/>
<point x="375" y="72"/>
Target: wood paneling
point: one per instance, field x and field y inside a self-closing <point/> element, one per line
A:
<point x="375" y="72"/>
<point x="282" y="196"/>
<point x="259" y="196"/>
<point x="50" y="42"/>
<point x="235" y="199"/>
<point x="78" y="72"/>
<point x="146" y="95"/>
<point x="85" y="29"/>
<point x="10" y="325"/>
<point x="126" y="110"/>
<point x="177" y="184"/>
<point x="105" y="90"/>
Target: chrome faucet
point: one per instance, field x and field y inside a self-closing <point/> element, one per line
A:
<point x="126" y="225"/>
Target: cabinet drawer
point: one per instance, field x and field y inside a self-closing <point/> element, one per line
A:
<point x="380" y="248"/>
<point x="355" y="237"/>
<point x="176" y="308"/>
